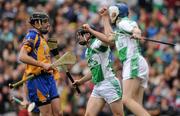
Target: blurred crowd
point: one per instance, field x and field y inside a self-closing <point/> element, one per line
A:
<point x="158" y="19"/>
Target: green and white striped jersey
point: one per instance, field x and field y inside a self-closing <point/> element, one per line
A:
<point x="127" y="47"/>
<point x="97" y="56"/>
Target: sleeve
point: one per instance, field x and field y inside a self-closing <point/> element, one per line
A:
<point x="56" y="74"/>
<point x="28" y="42"/>
<point x="127" y="26"/>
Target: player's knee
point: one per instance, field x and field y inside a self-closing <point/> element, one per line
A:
<point x="125" y="99"/>
<point x="46" y="113"/>
<point x="57" y="112"/>
<point x="34" y="114"/>
<point x="118" y="114"/>
<point x="88" y="113"/>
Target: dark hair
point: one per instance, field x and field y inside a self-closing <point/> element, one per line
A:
<point x="81" y="31"/>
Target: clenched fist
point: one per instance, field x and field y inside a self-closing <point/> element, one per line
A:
<point x="103" y="12"/>
<point x="86" y="27"/>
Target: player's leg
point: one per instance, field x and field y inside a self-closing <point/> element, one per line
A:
<point x="45" y="110"/>
<point x="139" y="95"/>
<point x="44" y="107"/>
<point x="133" y="69"/>
<point x="113" y="96"/>
<point x="117" y="108"/>
<point x="94" y="106"/>
<point x="55" y="100"/>
<point x="34" y="114"/>
<point x="111" y="92"/>
<point x="38" y="91"/>
<point x="55" y="103"/>
<point x="143" y="78"/>
<point x="130" y="88"/>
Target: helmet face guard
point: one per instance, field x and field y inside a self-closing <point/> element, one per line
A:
<point x="119" y="10"/>
<point x="81" y="37"/>
<point x="113" y="13"/>
<point x="41" y="18"/>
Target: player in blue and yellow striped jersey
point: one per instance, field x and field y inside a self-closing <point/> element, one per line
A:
<point x="35" y="54"/>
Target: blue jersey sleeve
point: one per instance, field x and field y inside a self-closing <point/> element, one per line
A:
<point x="30" y="39"/>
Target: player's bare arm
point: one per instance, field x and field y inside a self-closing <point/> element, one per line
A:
<point x="84" y="79"/>
<point x="107" y="27"/>
<point x="108" y="30"/>
<point x="105" y="19"/>
<point x="25" y="58"/>
<point x="136" y="33"/>
<point x="104" y="38"/>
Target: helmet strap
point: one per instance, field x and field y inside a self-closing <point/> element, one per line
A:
<point x="86" y="40"/>
<point x="39" y="27"/>
<point x="118" y="19"/>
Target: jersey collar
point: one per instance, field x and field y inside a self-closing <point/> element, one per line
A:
<point x="124" y="18"/>
<point x="34" y="30"/>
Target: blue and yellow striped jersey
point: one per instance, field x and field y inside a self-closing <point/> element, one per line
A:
<point x="37" y="48"/>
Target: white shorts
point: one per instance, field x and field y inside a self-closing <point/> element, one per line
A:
<point x="136" y="67"/>
<point x="109" y="90"/>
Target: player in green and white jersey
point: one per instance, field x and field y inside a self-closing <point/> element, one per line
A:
<point x="135" y="68"/>
<point x="107" y="87"/>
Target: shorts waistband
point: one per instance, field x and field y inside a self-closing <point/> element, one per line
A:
<point x="42" y="72"/>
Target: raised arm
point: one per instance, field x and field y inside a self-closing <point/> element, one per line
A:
<point x="132" y="28"/>
<point x="106" y="23"/>
<point x="99" y="35"/>
<point x="108" y="29"/>
<point x="107" y="26"/>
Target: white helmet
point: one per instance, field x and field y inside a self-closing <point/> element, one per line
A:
<point x="118" y="10"/>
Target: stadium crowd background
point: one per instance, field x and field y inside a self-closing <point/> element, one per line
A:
<point x="158" y="19"/>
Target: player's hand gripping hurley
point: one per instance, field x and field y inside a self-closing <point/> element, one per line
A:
<point x="52" y="43"/>
<point x="29" y="107"/>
